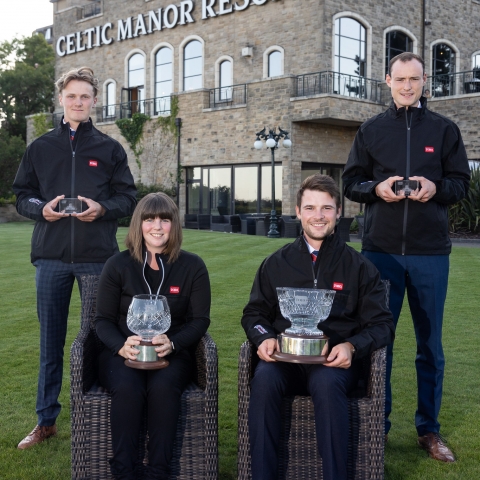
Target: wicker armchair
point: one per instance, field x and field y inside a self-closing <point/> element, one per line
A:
<point x="196" y="450"/>
<point x="298" y="455"/>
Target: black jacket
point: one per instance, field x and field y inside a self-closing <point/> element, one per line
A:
<point x="359" y="314"/>
<point x="96" y="169"/>
<point x="186" y="286"/>
<point x="385" y="147"/>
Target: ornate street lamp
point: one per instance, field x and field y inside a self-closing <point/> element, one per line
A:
<point x="271" y="139"/>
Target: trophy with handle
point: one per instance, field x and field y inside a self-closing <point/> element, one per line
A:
<point x="305" y="308"/>
<point x="148" y="315"/>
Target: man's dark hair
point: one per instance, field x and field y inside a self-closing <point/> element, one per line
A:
<point x="404" y="58"/>
<point x="320" y="183"/>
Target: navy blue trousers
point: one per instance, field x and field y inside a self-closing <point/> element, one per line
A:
<point x="327" y="386"/>
<point x="133" y="391"/>
<point x="425" y="279"/>
<point x="54" y="280"/>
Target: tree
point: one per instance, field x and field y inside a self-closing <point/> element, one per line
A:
<point x="26" y="81"/>
<point x="11" y="151"/>
<point x="26" y="87"/>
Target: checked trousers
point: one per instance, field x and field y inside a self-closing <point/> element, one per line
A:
<point x="54" y="280"/>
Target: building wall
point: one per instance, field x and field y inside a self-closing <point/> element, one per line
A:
<point x="322" y="126"/>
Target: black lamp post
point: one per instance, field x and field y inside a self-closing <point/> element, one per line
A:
<point x="271" y="139"/>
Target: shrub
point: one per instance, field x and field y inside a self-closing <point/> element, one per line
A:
<point x="465" y="215"/>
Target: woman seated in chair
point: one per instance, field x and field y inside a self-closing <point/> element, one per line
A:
<point x="153" y="264"/>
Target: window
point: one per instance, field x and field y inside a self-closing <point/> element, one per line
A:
<point x="350" y="47"/>
<point x="163" y="80"/>
<point x="225" y="80"/>
<point x="109" y="100"/>
<point x="396" y="43"/>
<point x="275" y="64"/>
<point x="476" y="61"/>
<point x="192" y="66"/>
<point x="443" y="82"/>
<point x="209" y="189"/>
<point x="136" y="82"/>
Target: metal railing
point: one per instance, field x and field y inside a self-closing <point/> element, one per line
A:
<point x="339" y="84"/>
<point x="448" y="84"/>
<point x="89" y="10"/>
<point x="228" y="96"/>
<point x="152" y="106"/>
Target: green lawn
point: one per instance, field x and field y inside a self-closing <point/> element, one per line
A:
<point x="232" y="261"/>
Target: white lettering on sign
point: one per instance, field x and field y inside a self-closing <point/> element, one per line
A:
<point x="148" y="23"/>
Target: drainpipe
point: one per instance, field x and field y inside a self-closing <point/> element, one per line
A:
<point x="178" y="124"/>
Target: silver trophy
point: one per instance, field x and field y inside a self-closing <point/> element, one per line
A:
<point x="70" y="205"/>
<point x="305" y="308"/>
<point x="148" y="316"/>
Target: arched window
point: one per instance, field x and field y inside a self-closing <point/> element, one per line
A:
<point x="350" y="47"/>
<point x="275" y="64"/>
<point x="136" y="82"/>
<point x="443" y="59"/>
<point x="192" y="66"/>
<point x="225" y="80"/>
<point x="476" y="61"/>
<point x="109" y="109"/>
<point x="163" y="80"/>
<point x="396" y="42"/>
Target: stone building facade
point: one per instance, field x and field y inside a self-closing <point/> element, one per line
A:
<point x="315" y="68"/>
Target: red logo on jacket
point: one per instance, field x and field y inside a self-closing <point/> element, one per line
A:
<point x="337" y="286"/>
<point x="92" y="163"/>
<point x="174" y="289"/>
<point x="429" y="150"/>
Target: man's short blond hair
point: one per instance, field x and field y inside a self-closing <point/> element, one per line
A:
<point x="84" y="74"/>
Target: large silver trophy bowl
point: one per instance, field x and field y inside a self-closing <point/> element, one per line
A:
<point x="148" y="316"/>
<point x="305" y="308"/>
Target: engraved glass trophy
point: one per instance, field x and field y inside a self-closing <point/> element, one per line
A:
<point x="404" y="188"/>
<point x="70" y="205"/>
<point x="148" y="316"/>
<point x="305" y="308"/>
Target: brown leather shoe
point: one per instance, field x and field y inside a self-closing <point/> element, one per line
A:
<point x="37" y="435"/>
<point x="435" y="446"/>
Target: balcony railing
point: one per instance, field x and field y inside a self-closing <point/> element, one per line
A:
<point x="461" y="83"/>
<point x="151" y="107"/>
<point x="89" y="10"/>
<point x="228" y="96"/>
<point x="339" y="84"/>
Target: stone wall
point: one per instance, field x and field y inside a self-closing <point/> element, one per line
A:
<point x="8" y="213"/>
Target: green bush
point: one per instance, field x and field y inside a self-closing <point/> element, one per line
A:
<point x="143" y="190"/>
<point x="465" y="215"/>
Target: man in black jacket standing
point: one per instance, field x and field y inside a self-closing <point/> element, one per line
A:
<point x="358" y="324"/>
<point x="75" y="160"/>
<point x="406" y="235"/>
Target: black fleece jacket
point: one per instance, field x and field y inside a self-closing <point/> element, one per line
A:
<point x="186" y="286"/>
<point x="359" y="314"/>
<point x="413" y="142"/>
<point x="97" y="169"/>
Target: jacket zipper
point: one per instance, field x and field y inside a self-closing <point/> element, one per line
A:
<point x="72" y="195"/>
<point x="407" y="175"/>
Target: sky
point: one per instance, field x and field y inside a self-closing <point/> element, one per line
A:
<point x="22" y="17"/>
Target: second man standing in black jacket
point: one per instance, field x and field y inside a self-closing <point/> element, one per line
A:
<point x="75" y="160"/>
<point x="407" y="237"/>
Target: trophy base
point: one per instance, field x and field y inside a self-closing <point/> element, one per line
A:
<point x="156" y="365"/>
<point x="291" y="358"/>
<point x="302" y="349"/>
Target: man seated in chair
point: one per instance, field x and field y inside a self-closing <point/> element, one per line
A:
<point x="358" y="324"/>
